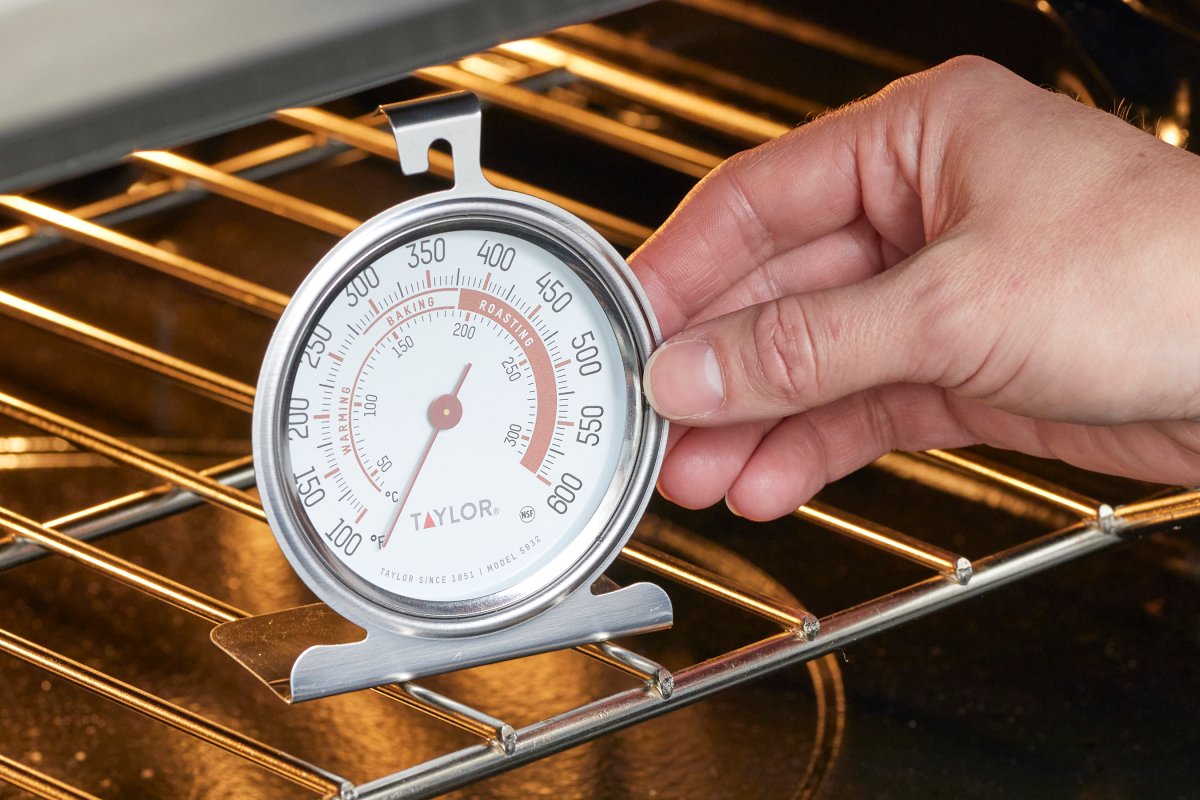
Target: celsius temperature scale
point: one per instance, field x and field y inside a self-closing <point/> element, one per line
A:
<point x="450" y="437"/>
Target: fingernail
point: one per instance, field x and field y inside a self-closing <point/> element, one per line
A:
<point x="683" y="380"/>
<point x="732" y="508"/>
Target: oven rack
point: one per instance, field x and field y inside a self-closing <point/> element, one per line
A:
<point x="502" y="78"/>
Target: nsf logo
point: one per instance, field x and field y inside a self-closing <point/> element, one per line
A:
<point x="527" y="514"/>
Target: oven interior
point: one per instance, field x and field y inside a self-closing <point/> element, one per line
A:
<point x="135" y="304"/>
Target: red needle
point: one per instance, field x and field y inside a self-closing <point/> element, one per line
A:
<point x="444" y="414"/>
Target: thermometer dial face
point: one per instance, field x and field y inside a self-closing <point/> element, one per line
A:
<point x="459" y="418"/>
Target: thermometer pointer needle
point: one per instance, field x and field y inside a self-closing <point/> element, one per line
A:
<point x="444" y="413"/>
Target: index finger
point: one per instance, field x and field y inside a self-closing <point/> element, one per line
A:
<point x="764" y="202"/>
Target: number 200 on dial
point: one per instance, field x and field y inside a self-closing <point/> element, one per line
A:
<point x="459" y="417"/>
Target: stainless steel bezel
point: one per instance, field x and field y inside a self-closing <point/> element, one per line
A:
<point x="590" y="552"/>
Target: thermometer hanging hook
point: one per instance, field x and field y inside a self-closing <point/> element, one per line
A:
<point x="454" y="118"/>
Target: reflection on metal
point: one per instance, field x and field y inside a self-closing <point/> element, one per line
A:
<point x="248" y="192"/>
<point x="500" y="68"/>
<point x="974" y="488"/>
<point x="264" y="161"/>
<point x="119" y="569"/>
<point x="731" y="669"/>
<point x="43" y="452"/>
<point x="616" y="711"/>
<point x="124" y="453"/>
<point x="1184" y="115"/>
<point x="385" y="655"/>
<point x="228" y="391"/>
<point x="660" y="563"/>
<point x="655" y="675"/>
<point x="70" y="459"/>
<point x="809" y="34"/>
<point x="1045" y="491"/>
<point x="1160" y="511"/>
<point x="1172" y="133"/>
<point x="108" y="687"/>
<point x="500" y="732"/>
<point x="885" y="538"/>
<point x="216" y="611"/>
<point x="248" y="295"/>
<point x="323" y="628"/>
<point x="688" y="105"/>
<point x="620" y="231"/>
<point x="38" y="445"/>
<point x="1068" y="82"/>
<point x="644" y="53"/>
<point x="123" y="513"/>
<point x="825" y="673"/>
<point x="267" y="646"/>
<point x="450" y="712"/>
<point x="38" y="784"/>
<point x="650" y="146"/>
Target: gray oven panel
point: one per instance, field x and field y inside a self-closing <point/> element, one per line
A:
<point x="87" y="83"/>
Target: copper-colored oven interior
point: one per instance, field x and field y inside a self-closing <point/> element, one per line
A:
<point x="135" y="305"/>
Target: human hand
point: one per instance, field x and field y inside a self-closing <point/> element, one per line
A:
<point x="963" y="258"/>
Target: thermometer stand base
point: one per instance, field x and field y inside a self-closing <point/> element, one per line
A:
<point x="386" y="657"/>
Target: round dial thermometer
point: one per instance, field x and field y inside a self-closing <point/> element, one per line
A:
<point x="450" y="432"/>
<point x="458" y="416"/>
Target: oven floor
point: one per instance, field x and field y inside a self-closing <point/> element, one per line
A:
<point x="1081" y="683"/>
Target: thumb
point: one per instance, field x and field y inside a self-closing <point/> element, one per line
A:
<point x="788" y="355"/>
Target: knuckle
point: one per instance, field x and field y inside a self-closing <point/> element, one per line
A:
<point x="882" y="424"/>
<point x="942" y="313"/>
<point x="971" y="65"/>
<point x="730" y="180"/>
<point x="966" y="86"/>
<point x="973" y="78"/>
<point x="955" y="307"/>
<point x="785" y="353"/>
<point x="959" y="77"/>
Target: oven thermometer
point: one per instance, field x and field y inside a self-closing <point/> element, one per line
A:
<point x="450" y="437"/>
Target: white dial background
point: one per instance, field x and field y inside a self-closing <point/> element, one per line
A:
<point x="503" y="488"/>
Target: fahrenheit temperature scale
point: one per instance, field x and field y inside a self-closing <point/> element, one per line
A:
<point x="450" y="436"/>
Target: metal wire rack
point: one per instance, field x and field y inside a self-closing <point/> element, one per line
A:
<point x="508" y="77"/>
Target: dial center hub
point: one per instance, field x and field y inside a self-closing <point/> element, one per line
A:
<point x="445" y="412"/>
